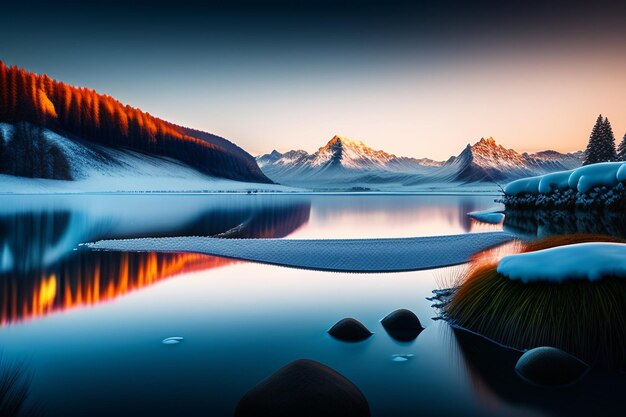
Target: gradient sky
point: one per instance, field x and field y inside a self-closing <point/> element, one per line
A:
<point x="412" y="79"/>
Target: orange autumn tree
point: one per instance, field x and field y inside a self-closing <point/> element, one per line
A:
<point x="86" y="114"/>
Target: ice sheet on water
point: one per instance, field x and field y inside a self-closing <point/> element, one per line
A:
<point x="341" y="255"/>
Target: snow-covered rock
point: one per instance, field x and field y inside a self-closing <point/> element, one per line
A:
<point x="592" y="186"/>
<point x="590" y="261"/>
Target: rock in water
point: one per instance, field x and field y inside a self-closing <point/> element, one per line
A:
<point x="550" y="366"/>
<point x="402" y="325"/>
<point x="349" y="330"/>
<point x="304" y="388"/>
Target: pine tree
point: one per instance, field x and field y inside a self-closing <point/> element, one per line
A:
<point x="601" y="146"/>
<point x="621" y="150"/>
<point x="609" y="154"/>
<point x="592" y="153"/>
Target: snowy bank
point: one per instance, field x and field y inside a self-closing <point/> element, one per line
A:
<point x="99" y="169"/>
<point x="591" y="261"/>
<point x="342" y="255"/>
<point x="596" y="185"/>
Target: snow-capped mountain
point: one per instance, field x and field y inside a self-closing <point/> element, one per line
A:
<point x="488" y="161"/>
<point x="343" y="162"/>
<point x="340" y="160"/>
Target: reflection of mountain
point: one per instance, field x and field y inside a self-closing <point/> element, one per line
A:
<point x="41" y="272"/>
<point x="538" y="223"/>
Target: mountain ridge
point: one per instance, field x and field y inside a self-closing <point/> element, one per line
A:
<point x="342" y="160"/>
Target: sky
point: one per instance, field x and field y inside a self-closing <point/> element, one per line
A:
<point x="415" y="79"/>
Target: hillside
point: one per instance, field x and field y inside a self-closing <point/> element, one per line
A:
<point x="97" y="168"/>
<point x="85" y="115"/>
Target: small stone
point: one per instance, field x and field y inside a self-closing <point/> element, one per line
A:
<point x="548" y="366"/>
<point x="402" y="325"/>
<point x="349" y="330"/>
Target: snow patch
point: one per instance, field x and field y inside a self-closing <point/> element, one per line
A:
<point x="590" y="261"/>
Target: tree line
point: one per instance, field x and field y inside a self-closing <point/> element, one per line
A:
<point x="86" y="114"/>
<point x="601" y="146"/>
<point x="26" y="152"/>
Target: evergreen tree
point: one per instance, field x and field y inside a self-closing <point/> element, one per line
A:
<point x="601" y="146"/>
<point x="592" y="153"/>
<point x="609" y="154"/>
<point x="621" y="150"/>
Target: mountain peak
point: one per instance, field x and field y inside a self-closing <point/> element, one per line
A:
<point x="486" y="142"/>
<point x="341" y="140"/>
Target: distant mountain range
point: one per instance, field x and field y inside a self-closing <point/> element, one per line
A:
<point x="343" y="162"/>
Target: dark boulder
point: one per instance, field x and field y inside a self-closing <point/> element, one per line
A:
<point x="349" y="330"/>
<point x="304" y="388"/>
<point x="550" y="366"/>
<point x="402" y="325"/>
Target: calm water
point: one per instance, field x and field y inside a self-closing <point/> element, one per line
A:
<point x="88" y="325"/>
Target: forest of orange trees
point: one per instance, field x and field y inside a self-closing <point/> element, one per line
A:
<point x="87" y="115"/>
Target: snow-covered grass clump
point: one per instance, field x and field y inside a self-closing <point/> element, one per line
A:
<point x="591" y="261"/>
<point x="592" y="186"/>
<point x="565" y="291"/>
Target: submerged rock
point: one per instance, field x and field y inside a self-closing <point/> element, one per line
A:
<point x="550" y="366"/>
<point x="304" y="388"/>
<point x="349" y="330"/>
<point x="402" y="325"/>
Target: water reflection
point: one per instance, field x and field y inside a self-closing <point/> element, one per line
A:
<point x="41" y="271"/>
<point x="491" y="369"/>
<point x="537" y="224"/>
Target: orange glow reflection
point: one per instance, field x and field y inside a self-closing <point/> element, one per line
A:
<point x="93" y="278"/>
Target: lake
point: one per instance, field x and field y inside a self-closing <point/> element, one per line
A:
<point x="87" y="326"/>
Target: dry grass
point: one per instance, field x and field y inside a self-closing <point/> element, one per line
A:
<point x="583" y="318"/>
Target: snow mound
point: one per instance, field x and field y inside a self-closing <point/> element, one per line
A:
<point x="590" y="261"/>
<point x="583" y="179"/>
<point x="340" y="255"/>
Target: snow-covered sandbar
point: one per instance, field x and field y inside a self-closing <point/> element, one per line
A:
<point x="341" y="255"/>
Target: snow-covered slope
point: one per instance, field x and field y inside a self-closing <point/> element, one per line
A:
<point x="96" y="168"/>
<point x="341" y="161"/>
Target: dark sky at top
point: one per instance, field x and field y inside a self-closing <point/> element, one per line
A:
<point x="162" y="56"/>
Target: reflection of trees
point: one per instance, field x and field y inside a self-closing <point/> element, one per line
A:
<point x="34" y="240"/>
<point x="539" y="223"/>
<point x="41" y="272"/>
